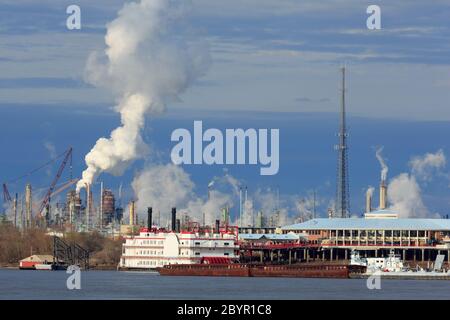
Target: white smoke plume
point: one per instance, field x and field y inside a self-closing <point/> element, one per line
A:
<point x="165" y="186"/>
<point x="248" y="218"/>
<point x="150" y="58"/>
<point x="424" y="166"/>
<point x="305" y="207"/>
<point x="370" y="190"/>
<point x="384" y="167"/>
<point x="369" y="193"/>
<point x="404" y="191"/>
<point x="405" y="195"/>
<point x="227" y="180"/>
<point x="51" y="149"/>
<point x="272" y="205"/>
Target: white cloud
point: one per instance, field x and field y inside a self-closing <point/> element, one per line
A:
<point x="253" y="64"/>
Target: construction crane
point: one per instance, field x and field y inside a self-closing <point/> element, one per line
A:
<point x="6" y="195"/>
<point x="45" y="202"/>
<point x="63" y="187"/>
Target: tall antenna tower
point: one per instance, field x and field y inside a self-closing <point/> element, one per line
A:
<point x="342" y="188"/>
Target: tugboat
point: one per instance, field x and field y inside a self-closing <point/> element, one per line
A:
<point x="392" y="267"/>
<point x="392" y="263"/>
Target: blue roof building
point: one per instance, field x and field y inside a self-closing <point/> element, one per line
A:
<point x="427" y="237"/>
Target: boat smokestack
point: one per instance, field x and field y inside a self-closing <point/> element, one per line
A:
<point x="383" y="194"/>
<point x="217" y="226"/>
<point x="178" y="225"/>
<point x="149" y="218"/>
<point x="174" y="219"/>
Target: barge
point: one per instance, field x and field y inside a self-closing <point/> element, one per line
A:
<point x="339" y="271"/>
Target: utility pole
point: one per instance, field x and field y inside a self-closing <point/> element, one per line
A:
<point x="22" y="220"/>
<point x="240" y="206"/>
<point x="314" y="203"/>
<point x="100" y="223"/>
<point x="15" y="210"/>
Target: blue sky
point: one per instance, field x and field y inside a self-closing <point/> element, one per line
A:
<point x="274" y="64"/>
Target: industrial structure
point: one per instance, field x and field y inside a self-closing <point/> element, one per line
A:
<point x="108" y="208"/>
<point x="257" y="237"/>
<point x="342" y="188"/>
<point x="416" y="239"/>
<point x="380" y="231"/>
<point x="38" y="208"/>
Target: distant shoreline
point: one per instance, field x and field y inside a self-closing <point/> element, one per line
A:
<point x="9" y="268"/>
<point x="94" y="268"/>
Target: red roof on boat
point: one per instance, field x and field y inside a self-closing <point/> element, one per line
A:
<point x="216" y="260"/>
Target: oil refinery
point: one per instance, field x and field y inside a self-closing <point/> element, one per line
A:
<point x="163" y="240"/>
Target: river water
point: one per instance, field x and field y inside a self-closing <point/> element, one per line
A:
<point x="20" y="284"/>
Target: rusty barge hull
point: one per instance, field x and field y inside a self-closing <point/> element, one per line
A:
<point x="229" y="270"/>
<point x="243" y="270"/>
<point x="323" y="271"/>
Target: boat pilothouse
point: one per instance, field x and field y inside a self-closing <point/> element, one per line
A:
<point x="156" y="247"/>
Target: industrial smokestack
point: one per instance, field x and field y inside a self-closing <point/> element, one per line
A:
<point x="149" y="218"/>
<point x="132" y="213"/>
<point x="174" y="219"/>
<point x="88" y="204"/>
<point x="28" y="204"/>
<point x="217" y="226"/>
<point x="368" y="202"/>
<point x="384" y="171"/>
<point x="383" y="195"/>
<point x="369" y="194"/>
<point x="225" y="215"/>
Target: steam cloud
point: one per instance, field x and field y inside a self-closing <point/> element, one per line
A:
<point x="266" y="200"/>
<point x="423" y="166"/>
<point x="370" y="191"/>
<point x="305" y="207"/>
<point x="150" y="58"/>
<point x="405" y="195"/>
<point x="384" y="167"/>
<point x="165" y="186"/>
<point x="404" y="191"/>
